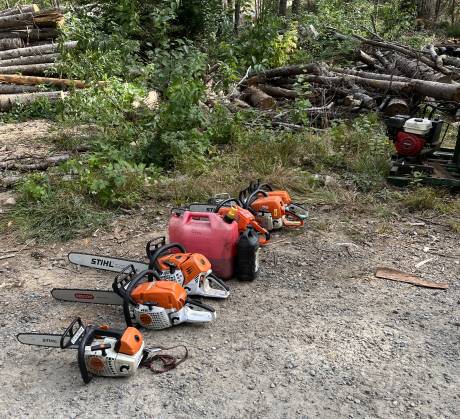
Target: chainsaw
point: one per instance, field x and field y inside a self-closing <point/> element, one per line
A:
<point x="102" y="351"/>
<point x="273" y="209"/>
<point x="146" y="301"/>
<point x="243" y="217"/>
<point x="190" y="270"/>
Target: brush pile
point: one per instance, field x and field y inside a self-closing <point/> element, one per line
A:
<point x="388" y="77"/>
<point x="28" y="48"/>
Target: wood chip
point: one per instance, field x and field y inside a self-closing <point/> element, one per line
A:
<point x="395" y="275"/>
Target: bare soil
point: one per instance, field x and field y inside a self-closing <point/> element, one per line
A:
<point x="316" y="335"/>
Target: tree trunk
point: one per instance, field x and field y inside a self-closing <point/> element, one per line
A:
<point x="282" y="9"/>
<point x="16" y="21"/>
<point x="41" y="165"/>
<point x="292" y="70"/>
<point x="30" y="8"/>
<point x="30" y="34"/>
<point x="296" y="4"/>
<point x="236" y="23"/>
<point x="8" y="101"/>
<point x="259" y="99"/>
<point x="367" y="75"/>
<point x="34" y="81"/>
<point x="28" y="69"/>
<point x="13" y="89"/>
<point x="39" y="50"/>
<point x="51" y="18"/>
<point x="407" y="52"/>
<point x="31" y="59"/>
<point x="416" y="69"/>
<point x="11" y="43"/>
<point x="396" y="106"/>
<point x="278" y="91"/>
<point x="441" y="91"/>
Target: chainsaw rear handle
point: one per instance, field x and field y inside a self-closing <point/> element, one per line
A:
<point x="70" y="332"/>
<point x="192" y="302"/>
<point x="90" y="333"/>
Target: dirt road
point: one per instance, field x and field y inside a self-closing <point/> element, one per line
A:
<point x="317" y="335"/>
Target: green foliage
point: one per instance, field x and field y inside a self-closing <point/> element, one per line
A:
<point x="99" y="54"/>
<point x="110" y="182"/>
<point x="41" y="108"/>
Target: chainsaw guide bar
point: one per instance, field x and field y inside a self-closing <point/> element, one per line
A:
<point x="105" y="263"/>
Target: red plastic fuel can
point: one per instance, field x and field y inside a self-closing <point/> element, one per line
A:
<point x="207" y="233"/>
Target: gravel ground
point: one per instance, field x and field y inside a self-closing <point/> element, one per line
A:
<point x="317" y="335"/>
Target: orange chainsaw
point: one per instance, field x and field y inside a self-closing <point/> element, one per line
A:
<point x="192" y="271"/>
<point x="147" y="301"/>
<point x="102" y="351"/>
<point x="273" y="209"/>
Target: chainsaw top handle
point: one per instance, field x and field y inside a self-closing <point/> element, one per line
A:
<point x="70" y="332"/>
<point x="227" y="201"/>
<point x="159" y="250"/>
<point x="90" y="334"/>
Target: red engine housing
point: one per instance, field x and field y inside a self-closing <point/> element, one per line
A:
<point x="408" y="144"/>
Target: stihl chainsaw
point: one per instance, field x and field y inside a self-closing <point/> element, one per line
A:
<point x="102" y="351"/>
<point x="192" y="271"/>
<point x="222" y="204"/>
<point x="272" y="209"/>
<point x="146" y="301"/>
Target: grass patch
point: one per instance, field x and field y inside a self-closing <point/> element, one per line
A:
<point x="61" y="215"/>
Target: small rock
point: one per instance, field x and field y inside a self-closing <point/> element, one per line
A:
<point x="272" y="385"/>
<point x="312" y="373"/>
<point x="10" y="202"/>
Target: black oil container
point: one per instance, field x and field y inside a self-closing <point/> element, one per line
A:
<point x="247" y="257"/>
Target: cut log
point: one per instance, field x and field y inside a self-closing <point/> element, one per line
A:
<point x="30" y="34"/>
<point x="13" y="88"/>
<point x="51" y="18"/>
<point x="368" y="75"/>
<point x="366" y="100"/>
<point x="293" y="70"/>
<point x="41" y="165"/>
<point x="278" y="91"/>
<point x="8" y="101"/>
<point x="441" y="91"/>
<point x="434" y="56"/>
<point x="39" y="50"/>
<point x="31" y="59"/>
<point x="416" y="69"/>
<point x="367" y="59"/>
<point x="17" y="21"/>
<point x="32" y="69"/>
<point x="259" y="99"/>
<point x="34" y="81"/>
<point x="11" y="43"/>
<point x="29" y="8"/>
<point x="351" y="101"/>
<point x="409" y="52"/>
<point x="396" y="106"/>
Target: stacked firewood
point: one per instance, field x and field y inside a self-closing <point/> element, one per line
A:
<point x="29" y="48"/>
<point x="388" y="77"/>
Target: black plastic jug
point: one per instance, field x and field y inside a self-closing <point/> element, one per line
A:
<point x="247" y="257"/>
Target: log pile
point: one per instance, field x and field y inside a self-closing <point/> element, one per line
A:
<point x="29" y="48"/>
<point x="387" y="77"/>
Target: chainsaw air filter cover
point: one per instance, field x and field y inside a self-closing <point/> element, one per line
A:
<point x="408" y="144"/>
